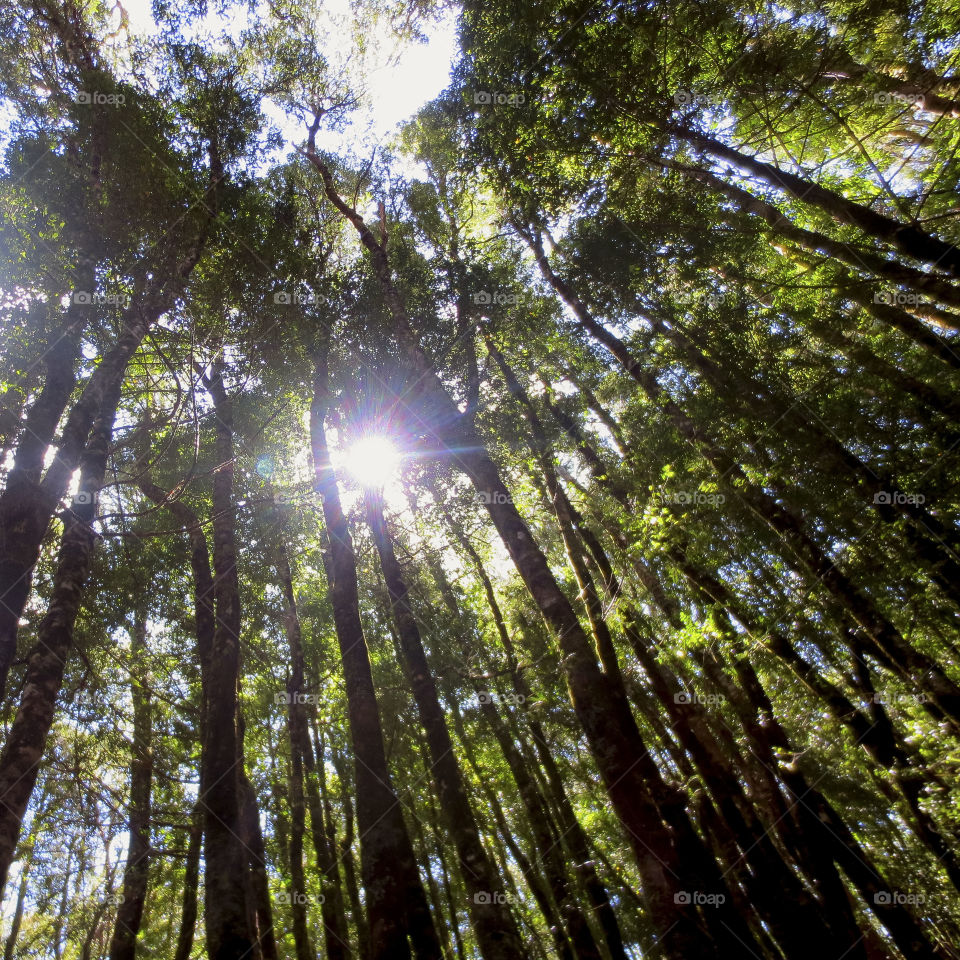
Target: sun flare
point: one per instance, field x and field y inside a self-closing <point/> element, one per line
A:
<point x="372" y="461"/>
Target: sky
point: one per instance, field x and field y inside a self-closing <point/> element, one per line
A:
<point x="400" y="77"/>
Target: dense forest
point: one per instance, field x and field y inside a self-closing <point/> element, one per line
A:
<point x="531" y="535"/>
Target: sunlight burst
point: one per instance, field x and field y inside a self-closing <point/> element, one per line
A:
<point x="372" y="461"/>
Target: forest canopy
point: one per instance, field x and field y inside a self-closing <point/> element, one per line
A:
<point x="526" y="530"/>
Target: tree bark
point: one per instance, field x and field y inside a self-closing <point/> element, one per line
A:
<point x="191" y="885"/>
<point x="27" y="507"/>
<point x="226" y="858"/>
<point x="23" y="749"/>
<point x="127" y="924"/>
<point x="396" y="902"/>
<point x="907" y="239"/>
<point x="671" y="860"/>
<point x="497" y="933"/>
<point x="808" y="557"/>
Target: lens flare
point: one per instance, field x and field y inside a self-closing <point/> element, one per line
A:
<point x="372" y="461"/>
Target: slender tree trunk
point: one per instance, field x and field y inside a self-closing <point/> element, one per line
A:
<point x="297" y="888"/>
<point x="922" y="86"/>
<point x="191" y="885"/>
<point x="819" y="826"/>
<point x="534" y="878"/>
<point x="10" y="944"/>
<point x="906" y="238"/>
<point x="299" y="738"/>
<point x="127" y="924"/>
<point x="860" y="258"/>
<point x="932" y="542"/>
<point x="808" y="557"/>
<point x="259" y="888"/>
<point x="23" y="749"/>
<point x="396" y="901"/>
<point x="497" y="933"/>
<point x="19" y="497"/>
<point x="433" y="889"/>
<point x="336" y="935"/>
<point x="791" y="915"/>
<point x="226" y="859"/>
<point x="448" y="889"/>
<point x="27" y="506"/>
<point x="571" y="829"/>
<point x="357" y="913"/>
<point x="204" y="629"/>
<point x="672" y="859"/>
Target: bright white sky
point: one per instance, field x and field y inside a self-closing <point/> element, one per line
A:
<point x="399" y="78"/>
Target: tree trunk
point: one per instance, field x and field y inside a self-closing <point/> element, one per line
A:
<point x="204" y="628"/>
<point x="860" y="258"/>
<point x="23" y="749"/>
<point x="396" y="902"/>
<point x="933" y="544"/>
<point x="10" y="944"/>
<point x="22" y="488"/>
<point x="226" y="859"/>
<point x="336" y="935"/>
<point x="127" y="924"/>
<point x="820" y="828"/>
<point x="672" y="861"/>
<point x="191" y="884"/>
<point x="497" y="933"/>
<point x="27" y="506"/>
<point x="808" y="557"/>
<point x="299" y="738"/>
<point x="571" y="829"/>
<point x="357" y="913"/>
<point x="908" y="239"/>
<point x="259" y="889"/>
<point x="533" y="877"/>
